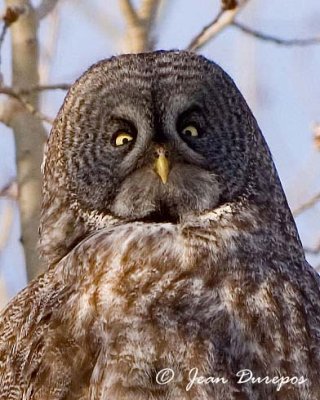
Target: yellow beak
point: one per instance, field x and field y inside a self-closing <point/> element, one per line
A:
<point x="161" y="167"/>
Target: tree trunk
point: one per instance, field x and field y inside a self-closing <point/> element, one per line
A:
<point x="29" y="132"/>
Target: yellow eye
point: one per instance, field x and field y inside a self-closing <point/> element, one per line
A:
<point x="123" y="138"/>
<point x="190" y="130"/>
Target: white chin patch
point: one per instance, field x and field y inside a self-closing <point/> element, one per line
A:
<point x="189" y="189"/>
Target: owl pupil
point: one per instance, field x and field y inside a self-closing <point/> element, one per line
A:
<point x="125" y="140"/>
<point x="188" y="132"/>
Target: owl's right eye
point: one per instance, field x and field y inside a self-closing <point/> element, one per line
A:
<point x="190" y="130"/>
<point x="121" y="138"/>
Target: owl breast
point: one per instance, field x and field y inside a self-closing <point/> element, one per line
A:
<point x="153" y="306"/>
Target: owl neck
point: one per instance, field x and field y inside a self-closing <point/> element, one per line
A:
<point x="246" y="229"/>
<point x="250" y="215"/>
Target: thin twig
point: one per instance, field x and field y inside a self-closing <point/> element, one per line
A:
<point x="270" y="38"/>
<point x="196" y="42"/>
<point x="221" y="21"/>
<point x="308" y="204"/>
<point x="38" y="88"/>
<point x="45" y="8"/>
<point x="26" y="104"/>
<point x="41" y="88"/>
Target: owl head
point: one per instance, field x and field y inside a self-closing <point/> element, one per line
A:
<point x="155" y="137"/>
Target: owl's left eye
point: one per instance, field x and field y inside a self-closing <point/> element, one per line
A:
<point x="190" y="130"/>
<point x="122" y="138"/>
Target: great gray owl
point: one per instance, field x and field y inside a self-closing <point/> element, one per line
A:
<point x="175" y="267"/>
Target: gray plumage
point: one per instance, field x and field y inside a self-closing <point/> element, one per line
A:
<point x="200" y="266"/>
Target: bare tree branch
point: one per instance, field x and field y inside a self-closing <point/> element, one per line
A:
<point x="10" y="190"/>
<point x="308" y="204"/>
<point x="9" y="110"/>
<point x="200" y="39"/>
<point x="45" y="8"/>
<point x="10" y="16"/>
<point x="148" y="12"/>
<point x="224" y="19"/>
<point x="6" y="224"/>
<point x="3" y="293"/>
<point x="25" y="103"/>
<point x="274" y="39"/>
<point x="139" y="24"/>
<point x="129" y="13"/>
<point x="41" y="88"/>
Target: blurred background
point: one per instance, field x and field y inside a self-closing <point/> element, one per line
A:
<point x="52" y="42"/>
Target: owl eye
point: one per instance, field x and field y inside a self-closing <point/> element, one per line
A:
<point x="190" y="130"/>
<point x="122" y="138"/>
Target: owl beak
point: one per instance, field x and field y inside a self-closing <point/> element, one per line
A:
<point x="161" y="165"/>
